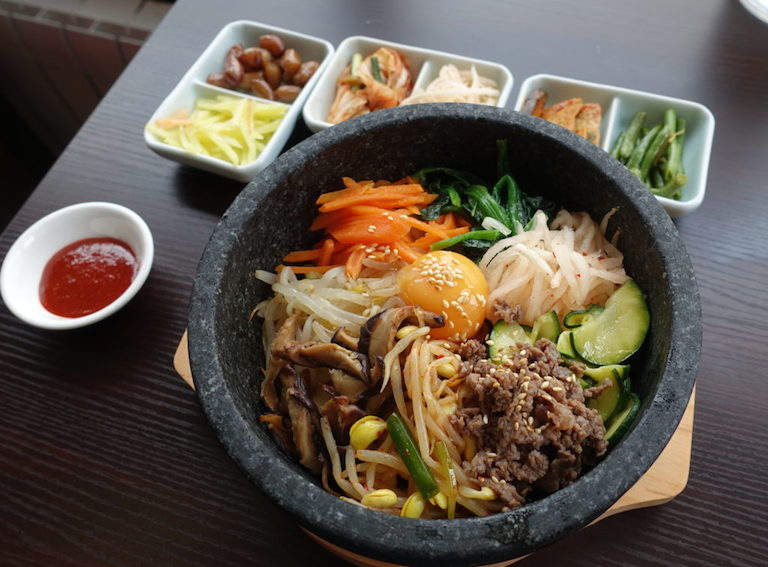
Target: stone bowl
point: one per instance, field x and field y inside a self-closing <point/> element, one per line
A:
<point x="270" y="218"/>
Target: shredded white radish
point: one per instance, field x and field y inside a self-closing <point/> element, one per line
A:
<point x="452" y="85"/>
<point x="565" y="266"/>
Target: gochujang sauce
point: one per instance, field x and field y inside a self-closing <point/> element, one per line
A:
<point x="86" y="276"/>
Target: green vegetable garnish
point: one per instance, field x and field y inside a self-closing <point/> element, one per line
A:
<point x="492" y="235"/>
<point x="408" y="451"/>
<point x="655" y="155"/>
<point x="376" y="70"/>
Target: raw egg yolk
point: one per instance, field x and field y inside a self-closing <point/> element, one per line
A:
<point x="451" y="285"/>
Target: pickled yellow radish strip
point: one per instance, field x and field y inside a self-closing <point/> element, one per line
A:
<point x="232" y="129"/>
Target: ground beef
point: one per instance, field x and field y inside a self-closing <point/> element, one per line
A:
<point x="532" y="429"/>
<point x="595" y="390"/>
<point x="472" y="351"/>
<point x="505" y="311"/>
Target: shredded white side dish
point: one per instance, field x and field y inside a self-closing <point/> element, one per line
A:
<point x="452" y="85"/>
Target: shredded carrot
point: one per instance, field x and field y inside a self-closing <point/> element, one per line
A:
<point x="406" y="252"/>
<point x="426" y="227"/>
<point x="324" y="220"/>
<point x="376" y="220"/>
<point x="378" y="197"/>
<point x="355" y="262"/>
<point x="325" y="257"/>
<point x="303" y="255"/>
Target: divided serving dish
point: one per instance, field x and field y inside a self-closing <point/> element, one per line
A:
<point x="425" y="66"/>
<point x="619" y="107"/>
<point x="193" y="85"/>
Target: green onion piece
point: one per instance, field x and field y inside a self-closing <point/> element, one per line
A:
<point x="354" y="69"/>
<point x="471" y="235"/>
<point x="450" y="475"/>
<point x="408" y="451"/>
<point x="375" y="70"/>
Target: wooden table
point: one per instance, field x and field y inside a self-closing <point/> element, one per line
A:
<point x="106" y="456"/>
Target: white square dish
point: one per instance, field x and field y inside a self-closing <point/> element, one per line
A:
<point x="619" y="107"/>
<point x="425" y="65"/>
<point x="193" y="86"/>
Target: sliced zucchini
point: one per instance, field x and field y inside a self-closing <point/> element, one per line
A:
<point x="504" y="338"/>
<point x="623" y="420"/>
<point x="586" y="382"/>
<point x="614" y="334"/>
<point x="547" y="326"/>
<point x="602" y="372"/>
<point x="564" y="346"/>
<point x="577" y="318"/>
<point x="613" y="399"/>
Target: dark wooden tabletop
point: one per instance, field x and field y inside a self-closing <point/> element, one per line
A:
<point x="105" y="455"/>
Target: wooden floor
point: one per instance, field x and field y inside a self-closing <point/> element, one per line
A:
<point x="23" y="162"/>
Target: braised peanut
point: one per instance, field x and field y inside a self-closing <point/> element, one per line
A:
<point x="290" y="61"/>
<point x="273" y="74"/>
<point x="253" y="58"/>
<point x="305" y="73"/>
<point x="261" y="88"/>
<point x="270" y="70"/>
<point x="245" y="82"/>
<point x="219" y="80"/>
<point x="273" y="44"/>
<point x="232" y="66"/>
<point x="287" y="93"/>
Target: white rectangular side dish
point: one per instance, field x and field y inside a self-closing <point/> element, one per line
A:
<point x="425" y="66"/>
<point x="193" y="85"/>
<point x="619" y="107"/>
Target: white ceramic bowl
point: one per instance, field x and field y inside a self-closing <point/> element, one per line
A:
<point x="193" y="85"/>
<point x="619" y="107"/>
<point x="23" y="265"/>
<point x="425" y="65"/>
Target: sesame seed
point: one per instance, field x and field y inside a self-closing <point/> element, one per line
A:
<point x="530" y="420"/>
<point x="545" y="383"/>
<point x="485" y="419"/>
<point x="490" y="342"/>
<point x="557" y="389"/>
<point x="371" y="228"/>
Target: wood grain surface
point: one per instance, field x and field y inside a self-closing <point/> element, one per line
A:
<point x="106" y="456"/>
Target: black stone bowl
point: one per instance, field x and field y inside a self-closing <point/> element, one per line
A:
<point x="270" y="218"/>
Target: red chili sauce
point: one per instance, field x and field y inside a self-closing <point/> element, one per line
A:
<point x="86" y="276"/>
